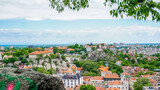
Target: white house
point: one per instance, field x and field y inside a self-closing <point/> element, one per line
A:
<point x="0" y="56"/>
<point x="70" y="81"/>
<point x="119" y="63"/>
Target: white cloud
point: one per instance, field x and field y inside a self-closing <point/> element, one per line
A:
<point x="128" y="34"/>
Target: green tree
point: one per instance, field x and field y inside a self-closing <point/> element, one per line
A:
<point x="87" y="87"/>
<point x="139" y="9"/>
<point x="138" y="85"/>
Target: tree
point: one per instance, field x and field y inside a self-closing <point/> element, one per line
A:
<point x="87" y="87"/>
<point x="139" y="9"/>
<point x="141" y="82"/>
<point x="63" y="57"/>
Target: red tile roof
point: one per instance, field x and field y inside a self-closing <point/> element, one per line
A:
<point x="114" y="75"/>
<point x="97" y="78"/>
<point x="116" y="82"/>
<point x="40" y="52"/>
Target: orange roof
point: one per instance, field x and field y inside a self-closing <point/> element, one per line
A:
<point x="145" y="76"/>
<point x="100" y="88"/>
<point x="51" y="48"/>
<point x="10" y="56"/>
<point x="97" y="78"/>
<point x="119" y="61"/>
<point x="40" y="52"/>
<point x="110" y="46"/>
<point x="152" y="80"/>
<point x="125" y="73"/>
<point x="134" y="78"/>
<point x="87" y="78"/>
<point x="27" y="67"/>
<point x="67" y="71"/>
<point x="114" y="75"/>
<point x="79" y="69"/>
<point x="70" y="49"/>
<point x="104" y="69"/>
<point x="38" y="48"/>
<point x="73" y="67"/>
<point x="113" y="89"/>
<point x="101" y="66"/>
<point x="62" y="48"/>
<point x="116" y="82"/>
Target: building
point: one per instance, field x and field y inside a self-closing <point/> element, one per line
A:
<point x="131" y="82"/>
<point x="116" y="84"/>
<point x="6" y="57"/>
<point x="71" y="81"/>
<point x="111" y="77"/>
<point x="119" y="63"/>
<point x="97" y="81"/>
<point x="104" y="70"/>
<point x="151" y="88"/>
<point x="31" y="46"/>
<point x="1" y="48"/>
<point x="0" y="56"/>
<point x="34" y="54"/>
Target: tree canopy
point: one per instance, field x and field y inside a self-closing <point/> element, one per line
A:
<point x="140" y="83"/>
<point x="138" y="9"/>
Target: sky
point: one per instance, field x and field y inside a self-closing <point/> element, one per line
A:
<point x="34" y="22"/>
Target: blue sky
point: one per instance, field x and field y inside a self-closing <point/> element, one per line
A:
<point x="33" y="22"/>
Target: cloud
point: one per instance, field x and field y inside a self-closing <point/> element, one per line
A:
<point x="127" y="34"/>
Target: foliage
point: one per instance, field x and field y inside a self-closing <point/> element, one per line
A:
<point x="87" y="87"/>
<point x="138" y="85"/>
<point x="138" y="9"/>
<point x="115" y="68"/>
<point x="43" y="70"/>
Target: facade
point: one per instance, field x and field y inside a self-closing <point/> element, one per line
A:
<point x="111" y="77"/>
<point x="70" y="81"/>
<point x="116" y="84"/>
<point x="97" y="81"/>
<point x="151" y="88"/>
<point x="6" y="57"/>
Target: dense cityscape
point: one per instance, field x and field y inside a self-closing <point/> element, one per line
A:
<point x="116" y="66"/>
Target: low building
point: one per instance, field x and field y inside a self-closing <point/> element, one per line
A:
<point x="111" y="77"/>
<point x="34" y="54"/>
<point x="0" y="56"/>
<point x="97" y="81"/>
<point x="119" y="63"/>
<point x="6" y="57"/>
<point x="131" y="82"/>
<point x="116" y="84"/>
<point x="151" y="88"/>
<point x="71" y="81"/>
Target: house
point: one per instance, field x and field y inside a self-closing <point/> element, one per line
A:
<point x="1" y="48"/>
<point x="111" y="77"/>
<point x="77" y="70"/>
<point x="0" y="56"/>
<point x="97" y="81"/>
<point x="112" y="89"/>
<point x="66" y="71"/>
<point x="102" y="45"/>
<point x="6" y="57"/>
<point x="131" y="82"/>
<point x="86" y="79"/>
<point x="116" y="84"/>
<point x="69" y="50"/>
<point x="70" y="81"/>
<point x="119" y="63"/>
<point x="151" y="88"/>
<point x="34" y="54"/>
<point x="112" y="48"/>
<point x="125" y="79"/>
<point x="104" y="70"/>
